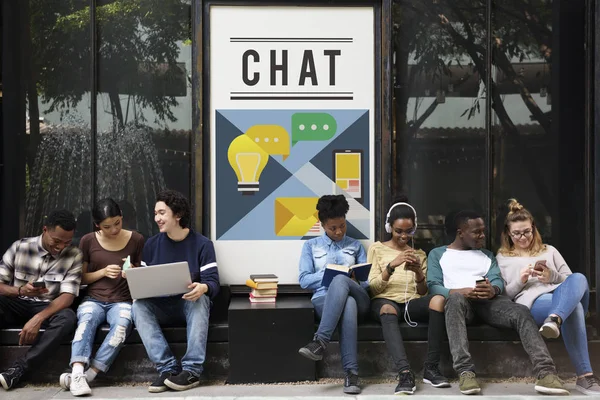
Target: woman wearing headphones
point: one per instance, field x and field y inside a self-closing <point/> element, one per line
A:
<point x="399" y="290"/>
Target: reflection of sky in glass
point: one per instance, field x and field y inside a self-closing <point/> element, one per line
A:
<point x="448" y="114"/>
<point x="182" y="112"/>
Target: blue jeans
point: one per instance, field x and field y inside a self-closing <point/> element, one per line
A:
<point x="90" y="315"/>
<point x="150" y="314"/>
<point x="570" y="302"/>
<point x="344" y="304"/>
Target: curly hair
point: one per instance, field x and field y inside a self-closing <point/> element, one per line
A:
<point x="63" y="218"/>
<point x="178" y="203"/>
<point x="518" y="213"/>
<point x="332" y="206"/>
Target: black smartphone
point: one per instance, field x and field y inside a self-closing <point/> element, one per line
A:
<point x="480" y="280"/>
<point x="39" y="284"/>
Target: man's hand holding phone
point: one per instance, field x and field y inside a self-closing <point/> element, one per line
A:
<point x="484" y="289"/>
<point x="33" y="289"/>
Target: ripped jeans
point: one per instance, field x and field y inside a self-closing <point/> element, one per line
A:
<point x="90" y="315"/>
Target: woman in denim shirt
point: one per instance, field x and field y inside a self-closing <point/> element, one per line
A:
<point x="345" y="301"/>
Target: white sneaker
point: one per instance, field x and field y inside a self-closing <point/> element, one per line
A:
<point x="551" y="328"/>
<point x="79" y="385"/>
<point x="65" y="380"/>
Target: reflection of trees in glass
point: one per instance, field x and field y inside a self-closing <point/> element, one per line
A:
<point x="433" y="39"/>
<point x="138" y="45"/>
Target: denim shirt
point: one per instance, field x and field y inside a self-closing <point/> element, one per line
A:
<point x="319" y="252"/>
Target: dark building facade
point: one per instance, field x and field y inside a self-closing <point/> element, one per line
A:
<point x="479" y="101"/>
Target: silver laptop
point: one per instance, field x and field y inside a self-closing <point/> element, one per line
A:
<point x="159" y="280"/>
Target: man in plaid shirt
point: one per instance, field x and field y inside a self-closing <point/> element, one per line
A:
<point x="39" y="279"/>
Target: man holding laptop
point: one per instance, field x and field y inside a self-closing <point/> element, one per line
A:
<point x="177" y="243"/>
<point x="39" y="279"/>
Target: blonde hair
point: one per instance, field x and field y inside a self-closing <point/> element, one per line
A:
<point x="518" y="213"/>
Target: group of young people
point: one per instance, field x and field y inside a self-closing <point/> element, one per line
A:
<point x="40" y="278"/>
<point x="527" y="287"/>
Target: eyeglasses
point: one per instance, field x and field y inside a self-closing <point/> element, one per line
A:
<point x="408" y="232"/>
<point x="518" y="235"/>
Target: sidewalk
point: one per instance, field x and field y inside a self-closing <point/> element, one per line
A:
<point x="329" y="391"/>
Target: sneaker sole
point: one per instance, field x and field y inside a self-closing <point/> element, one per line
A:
<point x="177" y="387"/>
<point x="4" y="383"/>
<point x="471" y="391"/>
<point x="586" y="391"/>
<point x="352" y="390"/>
<point x="62" y="381"/>
<point x="157" y="389"/>
<point x="311" y="356"/>
<point x="546" y="390"/>
<point x="437" y="385"/>
<point x="412" y="391"/>
<point x="82" y="393"/>
<point x="549" y="332"/>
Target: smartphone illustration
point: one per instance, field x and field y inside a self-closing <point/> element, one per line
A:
<point x="348" y="172"/>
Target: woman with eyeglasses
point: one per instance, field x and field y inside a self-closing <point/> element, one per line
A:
<point x="538" y="277"/>
<point x="398" y="286"/>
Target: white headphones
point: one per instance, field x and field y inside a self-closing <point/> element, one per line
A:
<point x="388" y="227"/>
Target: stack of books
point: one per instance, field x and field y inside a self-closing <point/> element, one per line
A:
<point x="264" y="288"/>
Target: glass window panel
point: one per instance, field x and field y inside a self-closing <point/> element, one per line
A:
<point x="539" y="118"/>
<point x="439" y="109"/>
<point x="144" y="104"/>
<point x="58" y="117"/>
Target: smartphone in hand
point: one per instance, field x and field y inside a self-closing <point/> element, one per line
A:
<point x="39" y="284"/>
<point x="539" y="265"/>
<point x="480" y="280"/>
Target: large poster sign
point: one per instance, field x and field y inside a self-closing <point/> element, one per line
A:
<point x="292" y="101"/>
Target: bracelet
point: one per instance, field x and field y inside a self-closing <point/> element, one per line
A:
<point x="20" y="287"/>
<point x="389" y="270"/>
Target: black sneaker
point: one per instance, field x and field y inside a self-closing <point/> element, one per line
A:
<point x="433" y="376"/>
<point x="406" y="383"/>
<point x="183" y="381"/>
<point x="11" y="377"/>
<point x="314" y="350"/>
<point x="351" y="384"/>
<point x="158" y="386"/>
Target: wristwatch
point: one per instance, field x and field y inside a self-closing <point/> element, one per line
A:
<point x="497" y="290"/>
<point x="389" y="269"/>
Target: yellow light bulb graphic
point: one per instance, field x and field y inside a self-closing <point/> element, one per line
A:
<point x="248" y="161"/>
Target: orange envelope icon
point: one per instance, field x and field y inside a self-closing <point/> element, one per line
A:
<point x="294" y="216"/>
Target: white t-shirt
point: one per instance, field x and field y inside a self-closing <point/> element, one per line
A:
<point x="461" y="268"/>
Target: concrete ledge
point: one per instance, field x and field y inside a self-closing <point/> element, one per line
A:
<point x="492" y="359"/>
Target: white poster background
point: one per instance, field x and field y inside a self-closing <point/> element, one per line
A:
<point x="238" y="259"/>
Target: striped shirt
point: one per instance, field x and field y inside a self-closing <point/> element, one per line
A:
<point x="27" y="261"/>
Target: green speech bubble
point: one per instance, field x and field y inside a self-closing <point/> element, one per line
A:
<point x="312" y="126"/>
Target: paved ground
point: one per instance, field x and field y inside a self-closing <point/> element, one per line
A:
<point x="329" y="391"/>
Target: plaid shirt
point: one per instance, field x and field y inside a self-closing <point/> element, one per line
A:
<point x="27" y="260"/>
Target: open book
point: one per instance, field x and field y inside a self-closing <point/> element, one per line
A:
<point x="361" y="272"/>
